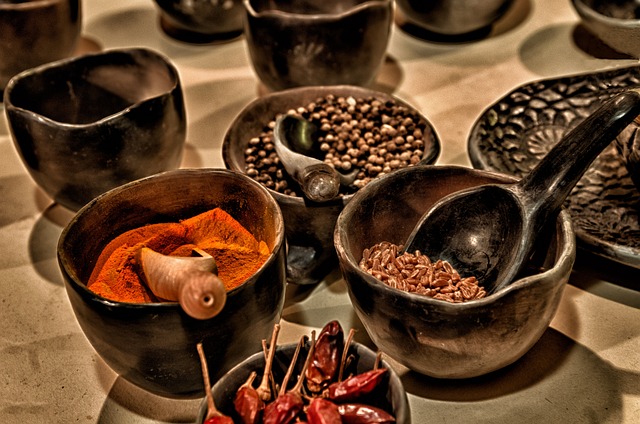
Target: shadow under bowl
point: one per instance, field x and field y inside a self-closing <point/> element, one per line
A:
<point x="615" y="22"/>
<point x="153" y="345"/>
<point x="390" y="396"/>
<point x="317" y="42"/>
<point x="201" y="21"/>
<point x="85" y="125"/>
<point x="308" y="226"/>
<point x="435" y="337"/>
<point x="453" y="17"/>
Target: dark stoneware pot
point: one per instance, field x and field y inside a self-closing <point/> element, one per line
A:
<point x="85" y="125"/>
<point x="317" y="42"/>
<point x="201" y="21"/>
<point x="308" y="226"/>
<point x="34" y="32"/>
<point x="431" y="336"/>
<point x="394" y="401"/>
<point x="153" y="345"/>
<point x="453" y="17"/>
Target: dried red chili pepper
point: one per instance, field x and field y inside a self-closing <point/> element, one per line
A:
<point x="247" y="402"/>
<point x="213" y="415"/>
<point x="355" y="386"/>
<point x="221" y="419"/>
<point x="323" y="411"/>
<point x="326" y="359"/>
<point x="354" y="413"/>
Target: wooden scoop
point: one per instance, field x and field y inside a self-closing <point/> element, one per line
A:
<point x="490" y="231"/>
<point x="191" y="281"/>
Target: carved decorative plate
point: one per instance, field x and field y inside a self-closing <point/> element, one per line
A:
<point x="513" y="134"/>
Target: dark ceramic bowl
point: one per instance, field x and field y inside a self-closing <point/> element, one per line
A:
<point x="435" y="337"/>
<point x="317" y="42"/>
<point x="392" y="398"/>
<point x="308" y="226"/>
<point x="34" y="32"/>
<point x="201" y="21"/>
<point x="85" y="125"/>
<point x="615" y="22"/>
<point x="453" y="17"/>
<point x="153" y="345"/>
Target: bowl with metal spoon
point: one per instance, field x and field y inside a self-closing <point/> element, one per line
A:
<point x="319" y="126"/>
<point x="468" y="338"/>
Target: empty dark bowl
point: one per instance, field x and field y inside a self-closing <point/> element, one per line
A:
<point x="436" y="337"/>
<point x="34" y="32"/>
<point x="453" y="17"/>
<point x="201" y="21"/>
<point x="615" y="22"/>
<point x="394" y="400"/>
<point x="317" y="42"/>
<point x="88" y="124"/>
<point x="308" y="226"/>
<point x="153" y="345"/>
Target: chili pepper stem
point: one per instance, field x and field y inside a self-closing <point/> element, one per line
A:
<point x="298" y="387"/>
<point x="345" y="352"/>
<point x="376" y="364"/>
<point x="294" y="360"/>
<point x="211" y="406"/>
<point x="264" y="391"/>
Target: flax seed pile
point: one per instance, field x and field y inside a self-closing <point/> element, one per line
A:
<point x="373" y="136"/>
<point x="415" y="273"/>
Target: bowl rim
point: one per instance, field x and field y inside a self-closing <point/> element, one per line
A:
<point x="172" y="73"/>
<point x="565" y="257"/>
<point x="342" y="89"/>
<point x="316" y="17"/>
<point x="72" y="279"/>
<point x="588" y="12"/>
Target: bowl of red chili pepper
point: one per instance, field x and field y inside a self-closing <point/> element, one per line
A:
<point x="143" y="336"/>
<point x="422" y="312"/>
<point x="328" y="379"/>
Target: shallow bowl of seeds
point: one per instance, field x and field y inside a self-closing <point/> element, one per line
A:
<point x="361" y="132"/>
<point x="419" y="310"/>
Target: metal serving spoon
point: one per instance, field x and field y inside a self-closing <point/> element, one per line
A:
<point x="490" y="231"/>
<point x="295" y="143"/>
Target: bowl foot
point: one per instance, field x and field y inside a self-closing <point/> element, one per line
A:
<point x="195" y="37"/>
<point x="305" y="265"/>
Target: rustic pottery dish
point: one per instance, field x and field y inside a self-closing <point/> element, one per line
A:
<point x="317" y="42"/>
<point x="432" y="336"/>
<point x="308" y="226"/>
<point x="153" y="345"/>
<point x="224" y="389"/>
<point x="616" y="22"/>
<point x="201" y="21"/>
<point x="628" y="144"/>
<point x="88" y="124"/>
<point x="453" y="17"/>
<point x="34" y="32"/>
<point x="514" y="133"/>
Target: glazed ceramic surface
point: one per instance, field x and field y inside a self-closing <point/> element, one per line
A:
<point x="85" y="125"/>
<point x="392" y="397"/>
<point x="153" y="345"/>
<point x="34" y="32"/>
<point x="517" y="130"/>
<point x="201" y="21"/>
<point x="453" y="17"/>
<point x="431" y="336"/>
<point x="308" y="226"/>
<point x="317" y="42"/>
<point x="616" y="22"/>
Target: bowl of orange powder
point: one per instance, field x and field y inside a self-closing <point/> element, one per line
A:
<point x="144" y="337"/>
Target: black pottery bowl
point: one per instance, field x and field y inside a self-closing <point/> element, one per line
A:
<point x="436" y="337"/>
<point x="153" y="345"/>
<point x="317" y="42"/>
<point x="615" y="22"/>
<point x="453" y="17"/>
<point x="308" y="226"/>
<point x="88" y="124"/>
<point x="394" y="399"/>
<point x="34" y="32"/>
<point x="201" y="21"/>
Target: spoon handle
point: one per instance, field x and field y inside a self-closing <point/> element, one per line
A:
<point x="547" y="186"/>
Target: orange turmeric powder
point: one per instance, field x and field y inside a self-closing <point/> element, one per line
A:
<point x="237" y="253"/>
